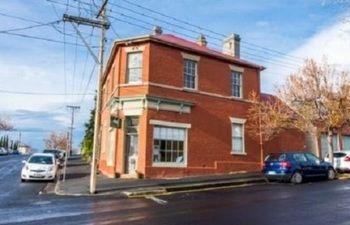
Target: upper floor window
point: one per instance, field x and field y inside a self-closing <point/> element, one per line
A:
<point x="190" y="74"/>
<point x="236" y="84"/>
<point x="134" y="70"/>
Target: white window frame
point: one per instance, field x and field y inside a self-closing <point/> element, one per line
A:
<point x="127" y="77"/>
<point x="195" y="74"/>
<point x="241" y="122"/>
<point x="184" y="126"/>
<point x="240" y="85"/>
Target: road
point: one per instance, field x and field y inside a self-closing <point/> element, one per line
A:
<point x="324" y="202"/>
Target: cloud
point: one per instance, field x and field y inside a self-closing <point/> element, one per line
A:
<point x="332" y="42"/>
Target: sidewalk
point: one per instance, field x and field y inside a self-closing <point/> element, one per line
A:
<point x="78" y="178"/>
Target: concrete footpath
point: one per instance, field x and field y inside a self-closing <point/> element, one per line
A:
<point x="77" y="180"/>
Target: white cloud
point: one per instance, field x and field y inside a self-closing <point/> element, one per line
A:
<point x="332" y="42"/>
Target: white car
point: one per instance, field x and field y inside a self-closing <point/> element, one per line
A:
<point x="341" y="160"/>
<point x="39" y="166"/>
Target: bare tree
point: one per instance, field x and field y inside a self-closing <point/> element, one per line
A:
<point x="320" y="96"/>
<point x="5" y="125"/>
<point x="56" y="141"/>
<point x="267" y="117"/>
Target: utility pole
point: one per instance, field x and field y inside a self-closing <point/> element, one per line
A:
<point x="103" y="24"/>
<point x="66" y="158"/>
<point x="73" y="108"/>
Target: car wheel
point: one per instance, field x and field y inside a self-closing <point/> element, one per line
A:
<point x="23" y="180"/>
<point x="296" y="178"/>
<point x="331" y="174"/>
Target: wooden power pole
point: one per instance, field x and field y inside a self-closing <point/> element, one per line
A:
<point x="102" y="23"/>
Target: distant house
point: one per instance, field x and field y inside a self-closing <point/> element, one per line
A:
<point x="173" y="107"/>
<point x="24" y="149"/>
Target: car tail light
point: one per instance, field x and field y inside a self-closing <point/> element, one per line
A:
<point x="347" y="158"/>
<point x="286" y="164"/>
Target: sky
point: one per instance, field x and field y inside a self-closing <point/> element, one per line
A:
<point x="39" y="78"/>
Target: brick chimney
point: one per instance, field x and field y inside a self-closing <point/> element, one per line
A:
<point x="157" y="30"/>
<point x="202" y="41"/>
<point x="232" y="45"/>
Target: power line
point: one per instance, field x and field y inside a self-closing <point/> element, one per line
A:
<point x="40" y="38"/>
<point x="40" y="93"/>
<point x="30" y="27"/>
<point x="202" y="28"/>
<point x="88" y="83"/>
<point x="284" y="63"/>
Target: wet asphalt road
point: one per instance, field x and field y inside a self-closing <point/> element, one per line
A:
<point x="310" y="203"/>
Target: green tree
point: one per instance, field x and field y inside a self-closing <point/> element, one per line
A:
<point x="2" y="141"/>
<point x="6" y="142"/>
<point x="87" y="142"/>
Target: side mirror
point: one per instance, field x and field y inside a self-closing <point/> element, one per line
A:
<point x="23" y="161"/>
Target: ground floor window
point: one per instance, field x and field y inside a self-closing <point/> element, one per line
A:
<point x="169" y="145"/>
<point x="237" y="135"/>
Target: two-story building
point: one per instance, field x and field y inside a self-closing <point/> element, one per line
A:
<point x="173" y="107"/>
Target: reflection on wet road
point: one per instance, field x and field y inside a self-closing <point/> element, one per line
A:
<point x="314" y="203"/>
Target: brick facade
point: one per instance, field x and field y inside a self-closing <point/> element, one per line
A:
<point x="161" y="96"/>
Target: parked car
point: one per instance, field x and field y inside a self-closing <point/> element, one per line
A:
<point x="341" y="160"/>
<point x="59" y="155"/>
<point x="296" y="166"/>
<point x="16" y="152"/>
<point x="39" y="166"/>
<point x="3" y="151"/>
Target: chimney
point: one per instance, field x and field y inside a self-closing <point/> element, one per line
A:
<point x="202" y="41"/>
<point x="157" y="30"/>
<point x="232" y="45"/>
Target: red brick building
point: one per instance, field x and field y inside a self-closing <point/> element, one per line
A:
<point x="172" y="107"/>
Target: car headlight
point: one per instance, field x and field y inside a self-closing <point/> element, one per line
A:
<point x="27" y="167"/>
<point x="51" y="168"/>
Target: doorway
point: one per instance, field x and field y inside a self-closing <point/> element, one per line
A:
<point x="131" y="145"/>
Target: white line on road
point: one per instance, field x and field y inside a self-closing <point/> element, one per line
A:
<point x="157" y="200"/>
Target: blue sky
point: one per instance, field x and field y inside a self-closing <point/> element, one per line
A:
<point x="297" y="28"/>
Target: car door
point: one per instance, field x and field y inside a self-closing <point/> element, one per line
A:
<point x="317" y="168"/>
<point x="303" y="164"/>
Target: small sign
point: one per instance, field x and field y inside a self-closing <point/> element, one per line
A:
<point x="115" y="122"/>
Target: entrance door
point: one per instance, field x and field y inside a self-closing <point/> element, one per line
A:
<point x="131" y="145"/>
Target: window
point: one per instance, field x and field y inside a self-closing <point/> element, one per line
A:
<point x="169" y="145"/>
<point x="312" y="158"/>
<point x="134" y="70"/>
<point x="190" y="74"/>
<point x="300" y="157"/>
<point x="238" y="138"/>
<point x="236" y="83"/>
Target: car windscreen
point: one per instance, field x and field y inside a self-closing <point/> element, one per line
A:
<point x="41" y="160"/>
<point x="276" y="157"/>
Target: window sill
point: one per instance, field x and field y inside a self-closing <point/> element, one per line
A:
<point x="169" y="165"/>
<point x="237" y="98"/>
<point x="239" y="153"/>
<point x="189" y="89"/>
<point x="131" y="84"/>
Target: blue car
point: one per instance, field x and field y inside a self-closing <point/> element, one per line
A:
<point x="296" y="166"/>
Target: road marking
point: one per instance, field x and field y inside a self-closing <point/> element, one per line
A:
<point x="41" y="203"/>
<point x="157" y="200"/>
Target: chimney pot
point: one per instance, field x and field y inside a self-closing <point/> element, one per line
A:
<point x="232" y="45"/>
<point x="157" y="30"/>
<point x="202" y="41"/>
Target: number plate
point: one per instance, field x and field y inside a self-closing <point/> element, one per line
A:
<point x="271" y="172"/>
<point x="37" y="175"/>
